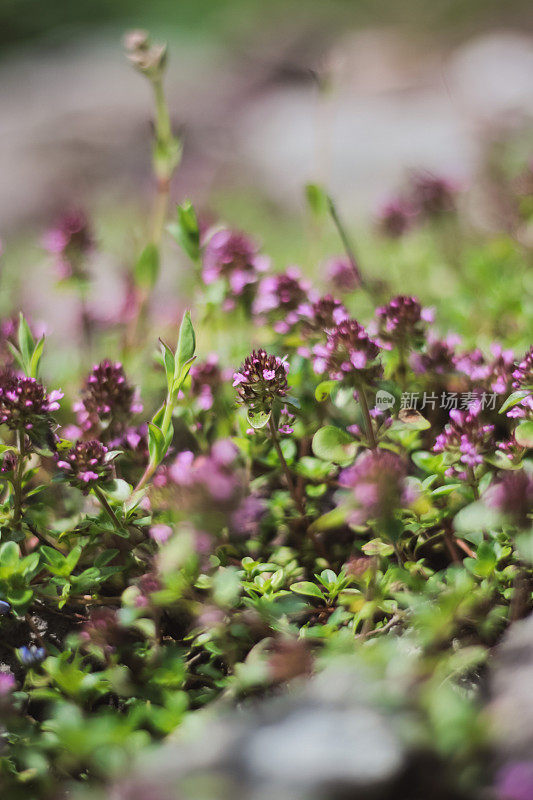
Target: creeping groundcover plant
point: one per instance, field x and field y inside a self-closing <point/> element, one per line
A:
<point x="299" y="472"/>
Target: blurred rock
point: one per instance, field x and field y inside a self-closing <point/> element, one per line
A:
<point x="326" y="739"/>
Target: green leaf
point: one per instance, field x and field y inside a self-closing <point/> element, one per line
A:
<point x="324" y="389"/>
<point x="186" y="344"/>
<point x="168" y="361"/>
<point x="317" y="199"/>
<point x="25" y="341"/>
<point x="475" y="517"/>
<point x="156" y="442"/>
<point x="147" y="267"/>
<point x="35" y="359"/>
<point x="258" y="419"/>
<point x="333" y="444"/>
<point x="429" y="462"/>
<point x="411" y="421"/>
<point x="119" y="490"/>
<point x="328" y="576"/>
<point x="376" y="547"/>
<point x="514" y="399"/>
<point x="308" y="589"/>
<point x="9" y="554"/>
<point x="524" y="434"/>
<point x="185" y="230"/>
<point x="73" y="557"/>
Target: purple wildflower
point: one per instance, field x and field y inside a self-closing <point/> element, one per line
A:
<point x="7" y="683"/>
<point x="24" y="402"/>
<point x="108" y="403"/>
<point x="280" y="298"/>
<point x="402" y="321"/>
<point x="322" y="315"/>
<point x="233" y="256"/>
<point x="206" y="381"/>
<point x="261" y="379"/>
<point x="69" y="241"/>
<point x="378" y="483"/>
<point x="396" y="217"/>
<point x="523" y="373"/>
<point x="349" y="353"/>
<point x="515" y="781"/>
<point x="465" y="439"/>
<point x="513" y="496"/>
<point x="432" y="195"/>
<point x="86" y="465"/>
<point x="438" y="358"/>
<point x="160" y="533"/>
<point x="342" y="274"/>
<point x="523" y="379"/>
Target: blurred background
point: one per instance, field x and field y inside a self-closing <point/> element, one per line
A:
<point x="352" y="94"/>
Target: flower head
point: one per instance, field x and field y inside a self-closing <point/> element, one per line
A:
<point x="261" y="379"/>
<point x="438" y="358"/>
<point x="146" y="56"/>
<point x="523" y="379"/>
<point x="515" y="781"/>
<point x="7" y="683"/>
<point x="513" y="496"/>
<point x="69" y="241"/>
<point x="86" y="465"/>
<point x="233" y="256"/>
<point x="31" y="655"/>
<point x="322" y="315"/>
<point x="396" y="217"/>
<point x="403" y="320"/>
<point x="523" y="373"/>
<point x="206" y="380"/>
<point x="465" y="439"/>
<point x="432" y="195"/>
<point x="108" y="402"/>
<point x="160" y="533"/>
<point x="25" y="403"/>
<point x="342" y="274"/>
<point x="349" y="353"/>
<point x="280" y="298"/>
<point x="377" y="481"/>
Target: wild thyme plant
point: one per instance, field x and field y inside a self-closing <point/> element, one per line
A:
<point x="360" y="485"/>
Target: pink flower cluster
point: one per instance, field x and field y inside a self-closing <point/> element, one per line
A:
<point x="427" y="197"/>
<point x="402" y="321"/>
<point x="261" y="379"/>
<point x="349" y="353"/>
<point x="378" y="482"/>
<point x="465" y="439"/>
<point x="24" y="401"/>
<point x="281" y="297"/>
<point x="108" y="403"/>
<point x="69" y="240"/>
<point x="86" y="465"/>
<point x="206" y="381"/>
<point x="235" y="258"/>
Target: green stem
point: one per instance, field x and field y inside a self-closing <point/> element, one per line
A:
<point x="348" y="247"/>
<point x="17" y="482"/>
<point x="165" y="426"/>
<point x="368" y="419"/>
<point x="105" y="504"/>
<point x="285" y="467"/>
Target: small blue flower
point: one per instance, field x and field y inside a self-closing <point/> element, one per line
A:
<point x="32" y="655"/>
